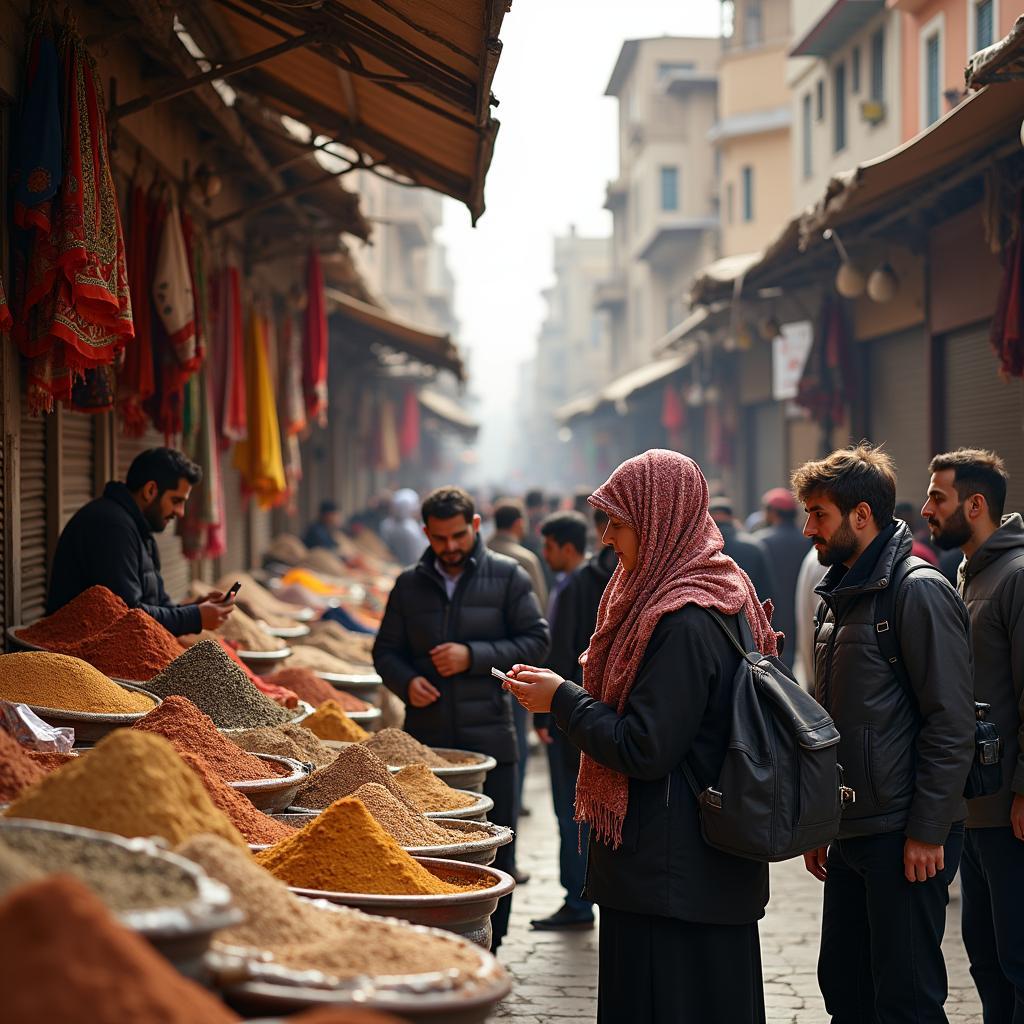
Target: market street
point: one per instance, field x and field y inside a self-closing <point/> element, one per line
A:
<point x="555" y="972"/>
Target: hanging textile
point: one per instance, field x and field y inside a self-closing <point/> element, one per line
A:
<point x="135" y="381"/>
<point x="409" y="432"/>
<point x="228" y="376"/>
<point x="289" y="401"/>
<point x="1007" y="332"/>
<point x="202" y="528"/>
<point x="827" y="385"/>
<point x="673" y="416"/>
<point x="6" y="320"/>
<point x="173" y="297"/>
<point x="94" y="391"/>
<point x="390" y="457"/>
<point x="258" y="457"/>
<point x="314" y="355"/>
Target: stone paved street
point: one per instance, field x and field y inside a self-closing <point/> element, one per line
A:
<point x="555" y="972"/>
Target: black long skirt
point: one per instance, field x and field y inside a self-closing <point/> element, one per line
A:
<point x="656" y="970"/>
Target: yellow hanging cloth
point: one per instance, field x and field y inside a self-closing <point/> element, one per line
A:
<point x="258" y="458"/>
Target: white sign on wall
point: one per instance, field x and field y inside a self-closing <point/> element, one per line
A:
<point x="789" y="354"/>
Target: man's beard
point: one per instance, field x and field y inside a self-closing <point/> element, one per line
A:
<point x="454" y="559"/>
<point x="954" y="533"/>
<point x="154" y="518"/>
<point x="841" y="548"/>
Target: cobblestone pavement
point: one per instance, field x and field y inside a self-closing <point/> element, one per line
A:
<point x="555" y="973"/>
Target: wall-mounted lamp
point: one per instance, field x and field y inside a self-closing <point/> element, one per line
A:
<point x="850" y="281"/>
<point x="883" y="284"/>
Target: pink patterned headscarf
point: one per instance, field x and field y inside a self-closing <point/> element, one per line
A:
<point x="663" y="495"/>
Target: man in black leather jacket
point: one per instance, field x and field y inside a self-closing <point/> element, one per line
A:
<point x="906" y="747"/>
<point x="460" y="611"/>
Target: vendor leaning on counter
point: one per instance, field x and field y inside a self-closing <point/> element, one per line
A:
<point x="110" y="542"/>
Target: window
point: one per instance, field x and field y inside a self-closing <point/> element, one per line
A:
<point x="670" y="188"/>
<point x="878" y="66"/>
<point x="839" y="108"/>
<point x="931" y="70"/>
<point x="730" y="203"/>
<point x="820" y="100"/>
<point x="855" y="70"/>
<point x="748" y="193"/>
<point x="807" y="141"/>
<point x="981" y="17"/>
<point x="666" y="69"/>
<point x="753" y="23"/>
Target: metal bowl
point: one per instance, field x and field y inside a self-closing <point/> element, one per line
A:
<point x="288" y="632"/>
<point x="476" y="851"/>
<point x="474" y="812"/>
<point x="358" y="683"/>
<point x="90" y="727"/>
<point x="12" y="635"/>
<point x="464" y="913"/>
<point x="463" y="776"/>
<point x="181" y="933"/>
<point x="275" y="794"/>
<point x="368" y="719"/>
<point x="264" y="662"/>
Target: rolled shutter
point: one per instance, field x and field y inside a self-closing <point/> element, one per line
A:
<point x="77" y="455"/>
<point x="32" y="512"/>
<point x="766" y="450"/>
<point x="236" y="557"/>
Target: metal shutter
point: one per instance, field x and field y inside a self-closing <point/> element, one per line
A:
<point x="981" y="410"/>
<point x="237" y="555"/>
<point x="32" y="482"/>
<point x="77" y="456"/>
<point x="897" y="408"/>
<point x="766" y="450"/>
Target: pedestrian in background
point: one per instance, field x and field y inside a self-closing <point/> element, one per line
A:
<point x="536" y="510"/>
<point x="786" y="547"/>
<point x="402" y="530"/>
<point x="452" y="617"/>
<point x="678" y="923"/>
<point x="906" y="722"/>
<point x="964" y="510"/>
<point x="323" y="531"/>
<point x="742" y="547"/>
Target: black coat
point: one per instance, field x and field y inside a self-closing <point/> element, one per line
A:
<point x="786" y="548"/>
<point x="750" y="555"/>
<point x="495" y="614"/>
<point x="679" y="708"/>
<point x="906" y="754"/>
<point x="109" y="543"/>
<point x="576" y="614"/>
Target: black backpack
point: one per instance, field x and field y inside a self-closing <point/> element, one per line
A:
<point x="780" y="791"/>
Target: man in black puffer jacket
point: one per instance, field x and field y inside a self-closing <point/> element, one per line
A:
<point x="906" y="746"/>
<point x="450" y="618"/>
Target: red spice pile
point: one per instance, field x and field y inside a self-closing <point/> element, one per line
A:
<point x="64" y="957"/>
<point x="314" y="690"/>
<point x="17" y="770"/>
<point x="91" y="612"/>
<point x="49" y="760"/>
<point x="135" y="647"/>
<point x="192" y="732"/>
<point x="256" y="826"/>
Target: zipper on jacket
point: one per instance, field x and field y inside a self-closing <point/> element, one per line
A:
<point x="668" y="789"/>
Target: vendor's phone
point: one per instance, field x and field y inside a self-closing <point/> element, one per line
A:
<point x="235" y="588"/>
<point x="498" y="674"/>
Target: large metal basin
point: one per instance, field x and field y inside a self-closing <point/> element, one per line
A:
<point x="265" y="662"/>
<point x="275" y="794"/>
<point x="90" y="727"/>
<point x="469" y="776"/>
<point x="465" y="913"/>
<point x="477" y="851"/>
<point x="359" y="684"/>
<point x="474" y="812"/>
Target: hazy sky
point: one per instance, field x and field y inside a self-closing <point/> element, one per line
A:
<point x="555" y="151"/>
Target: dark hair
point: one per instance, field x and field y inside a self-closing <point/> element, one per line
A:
<point x="508" y="512"/>
<point x="447" y="502"/>
<point x="328" y="508"/>
<point x="976" y="471"/>
<point x="534" y="498"/>
<point x="566" y="528"/>
<point x="600" y="518"/>
<point x="848" y="477"/>
<point x="167" y="466"/>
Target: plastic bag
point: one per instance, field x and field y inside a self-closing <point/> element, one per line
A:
<point x="32" y="732"/>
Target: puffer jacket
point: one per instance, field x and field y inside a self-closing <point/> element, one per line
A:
<point x="992" y="585"/>
<point x="906" y="754"/>
<point x="495" y="614"/>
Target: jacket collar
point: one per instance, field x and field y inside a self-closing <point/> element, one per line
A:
<point x="1008" y="538"/>
<point x="117" y="492"/>
<point x="873" y="570"/>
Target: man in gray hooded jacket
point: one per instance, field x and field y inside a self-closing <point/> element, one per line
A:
<point x="964" y="510"/>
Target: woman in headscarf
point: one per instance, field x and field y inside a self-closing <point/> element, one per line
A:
<point x="678" y="940"/>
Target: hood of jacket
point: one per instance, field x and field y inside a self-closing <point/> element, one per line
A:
<point x="858" y="579"/>
<point x="1008" y="537"/>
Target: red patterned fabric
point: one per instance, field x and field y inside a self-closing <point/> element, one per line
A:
<point x="314" y="355"/>
<point x="663" y="495"/>
<point x="1007" y="331"/>
<point x="228" y="363"/>
<point x="136" y="382"/>
<point x="409" y="432"/>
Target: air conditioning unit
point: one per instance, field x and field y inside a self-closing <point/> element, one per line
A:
<point x="872" y="111"/>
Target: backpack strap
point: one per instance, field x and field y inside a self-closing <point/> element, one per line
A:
<point x="885" y="617"/>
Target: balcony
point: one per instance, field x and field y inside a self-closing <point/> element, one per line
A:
<point x="615" y="194"/>
<point x="671" y="236"/>
<point x="611" y="292"/>
<point x="835" y="28"/>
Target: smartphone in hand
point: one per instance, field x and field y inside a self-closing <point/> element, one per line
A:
<point x="235" y="588"/>
<point x="498" y="674"/>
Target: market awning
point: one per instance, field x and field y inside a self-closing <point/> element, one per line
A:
<point x="405" y="84"/>
<point x="1001" y="62"/>
<point x="680" y="338"/>
<point x="444" y="408"/>
<point x="726" y="278"/>
<point x="584" y="405"/>
<point x="371" y="325"/>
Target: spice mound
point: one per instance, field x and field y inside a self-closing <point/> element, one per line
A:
<point x="66" y="684"/>
<point x="191" y="732"/>
<point x="253" y="824"/>
<point x="304" y="656"/>
<point x="393" y="746"/>
<point x="63" y="957"/>
<point x="248" y="635"/>
<point x="345" y="850"/>
<point x="17" y="770"/>
<point x="134" y="647"/>
<point x="335" y="639"/>
<point x="131" y="783"/>
<point x="16" y="870"/>
<point x="408" y="828"/>
<point x="123" y="879"/>
<point x="341" y="943"/>
<point x="353" y="767"/>
<point x="288" y="740"/>
<point x="259" y="602"/>
<point x="330" y="722"/>
<point x="428" y="793"/>
<point x="313" y="690"/>
<point x="208" y="677"/>
<point x="91" y="612"/>
<point x="50" y="760"/>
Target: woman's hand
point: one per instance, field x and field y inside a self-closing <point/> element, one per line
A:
<point x="534" y="688"/>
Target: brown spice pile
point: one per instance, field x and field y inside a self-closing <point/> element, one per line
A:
<point x="287" y="548"/>
<point x="17" y="770"/>
<point x="341" y="943"/>
<point x="394" y="746"/>
<point x="135" y="647"/>
<point x="409" y="828"/>
<point x="286" y="741"/>
<point x="335" y="639"/>
<point x="50" y="760"/>
<point x="353" y="767"/>
<point x="259" y="602"/>
<point x="330" y="722"/>
<point x="248" y="635"/>
<point x="312" y="689"/>
<point x="304" y="656"/>
<point x="91" y="612"/>
<point x="322" y="560"/>
<point x="191" y="732"/>
<point x="428" y="793"/>
<point x="345" y="850"/>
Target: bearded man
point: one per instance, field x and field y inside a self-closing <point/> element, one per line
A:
<point x="109" y="542"/>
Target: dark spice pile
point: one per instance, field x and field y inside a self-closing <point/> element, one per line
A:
<point x="287" y="740"/>
<point x="91" y="612"/>
<point x="192" y="732"/>
<point x="135" y="647"/>
<point x="207" y="677"/>
<point x="393" y="746"/>
<point x="353" y="767"/>
<point x="17" y="770"/>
